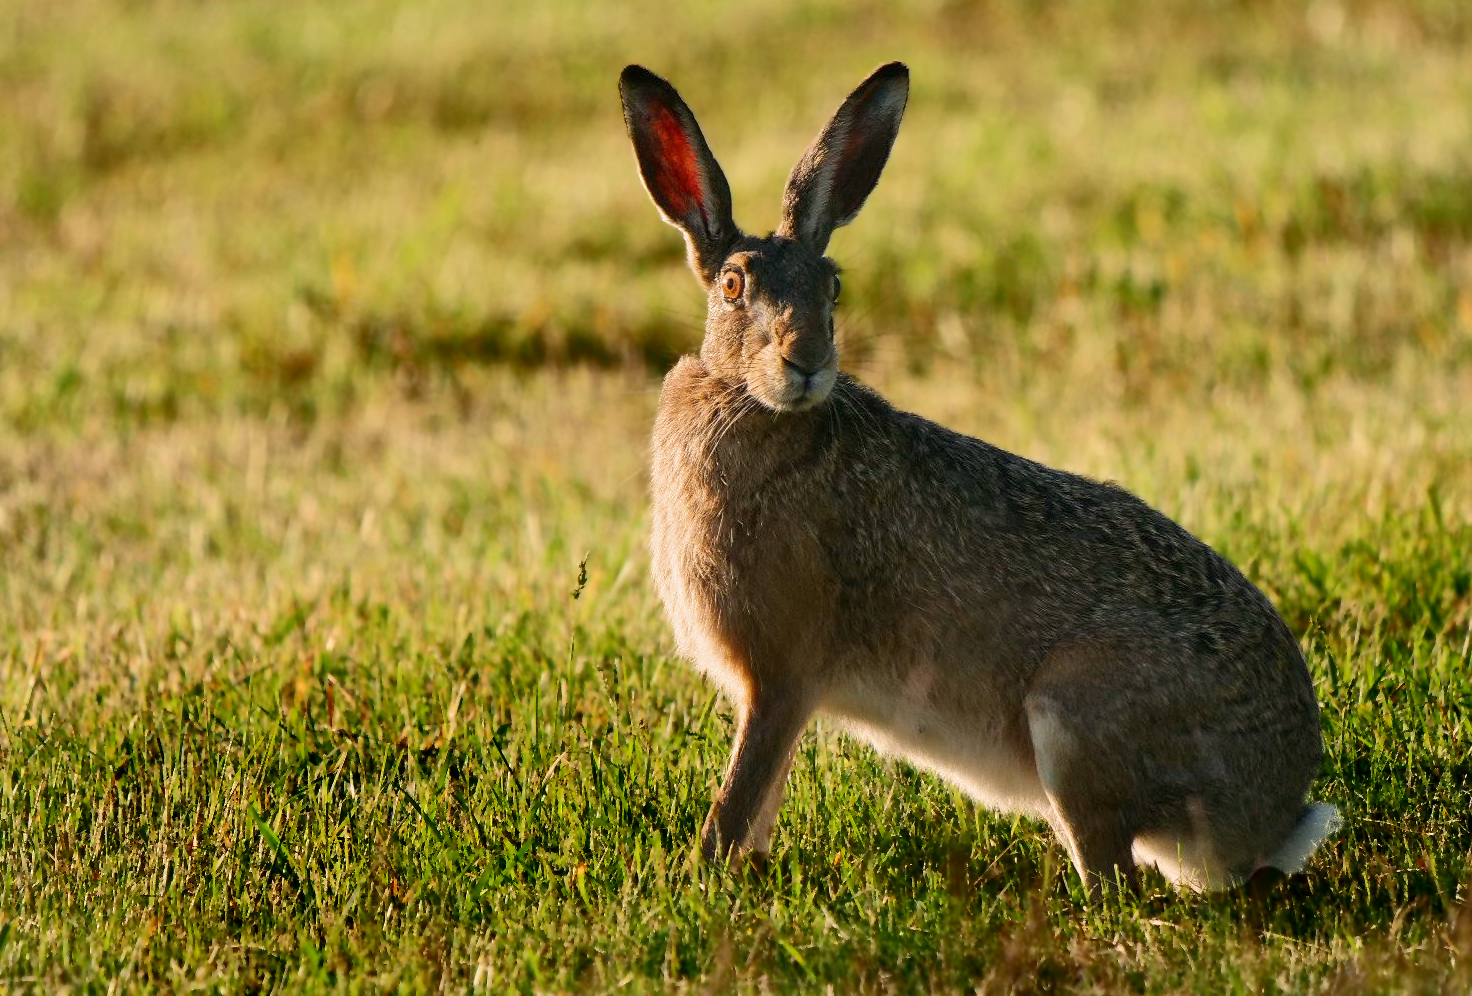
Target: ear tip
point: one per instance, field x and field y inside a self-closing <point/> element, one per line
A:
<point x="893" y="71"/>
<point x="892" y="78"/>
<point x="636" y="77"/>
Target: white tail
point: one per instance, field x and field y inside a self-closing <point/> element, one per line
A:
<point x="1317" y="822"/>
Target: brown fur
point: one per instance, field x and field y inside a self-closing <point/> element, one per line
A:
<point x="1050" y="643"/>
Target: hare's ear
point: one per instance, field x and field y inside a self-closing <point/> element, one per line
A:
<point x="682" y="177"/>
<point x="836" y="175"/>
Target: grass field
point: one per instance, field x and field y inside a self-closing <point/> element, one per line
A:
<point x="330" y="337"/>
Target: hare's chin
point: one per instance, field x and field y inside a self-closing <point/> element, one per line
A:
<point x="792" y="397"/>
<point x="815" y="396"/>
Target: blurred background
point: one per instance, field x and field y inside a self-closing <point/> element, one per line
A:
<point x="211" y="207"/>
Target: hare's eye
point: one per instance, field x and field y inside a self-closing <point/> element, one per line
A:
<point x="733" y="284"/>
<point x="837" y="286"/>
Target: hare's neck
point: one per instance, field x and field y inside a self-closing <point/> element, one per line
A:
<point x="739" y="435"/>
<point x="715" y="430"/>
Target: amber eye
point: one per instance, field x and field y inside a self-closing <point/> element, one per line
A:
<point x="733" y="285"/>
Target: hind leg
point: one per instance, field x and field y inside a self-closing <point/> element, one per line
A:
<point x="1135" y="753"/>
<point x="1092" y="805"/>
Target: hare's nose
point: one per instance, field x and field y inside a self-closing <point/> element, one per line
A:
<point x="797" y="367"/>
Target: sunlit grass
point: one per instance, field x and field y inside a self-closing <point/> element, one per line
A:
<point x="330" y="338"/>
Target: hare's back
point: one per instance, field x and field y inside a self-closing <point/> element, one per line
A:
<point x="993" y="560"/>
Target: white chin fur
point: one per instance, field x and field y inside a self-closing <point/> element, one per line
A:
<point x="795" y="394"/>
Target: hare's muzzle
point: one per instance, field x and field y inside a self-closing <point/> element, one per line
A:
<point x="808" y="382"/>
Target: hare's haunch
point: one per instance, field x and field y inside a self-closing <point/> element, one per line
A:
<point x="1049" y="643"/>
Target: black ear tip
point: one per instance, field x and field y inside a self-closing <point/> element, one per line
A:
<point x="636" y="77"/>
<point x="892" y="77"/>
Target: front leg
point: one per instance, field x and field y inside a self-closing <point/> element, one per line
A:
<point x="745" y="808"/>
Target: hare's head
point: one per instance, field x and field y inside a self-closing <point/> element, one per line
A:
<point x="770" y="318"/>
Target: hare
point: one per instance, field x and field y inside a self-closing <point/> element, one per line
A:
<point x="1048" y="643"/>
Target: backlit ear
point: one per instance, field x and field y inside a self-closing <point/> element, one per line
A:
<point x="682" y="177"/>
<point x="836" y="175"/>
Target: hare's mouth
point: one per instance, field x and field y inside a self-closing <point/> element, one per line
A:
<point x="816" y="390"/>
<point x="793" y="389"/>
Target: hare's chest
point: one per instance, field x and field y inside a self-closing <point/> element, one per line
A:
<point x="698" y="583"/>
<point x="743" y="586"/>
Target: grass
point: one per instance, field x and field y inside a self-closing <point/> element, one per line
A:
<point x="329" y="343"/>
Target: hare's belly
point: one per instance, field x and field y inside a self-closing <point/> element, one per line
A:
<point x="982" y="751"/>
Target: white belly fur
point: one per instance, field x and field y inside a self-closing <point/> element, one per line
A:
<point x="902" y="720"/>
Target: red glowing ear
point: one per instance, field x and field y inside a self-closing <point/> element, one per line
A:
<point x="674" y="180"/>
<point x="681" y="175"/>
